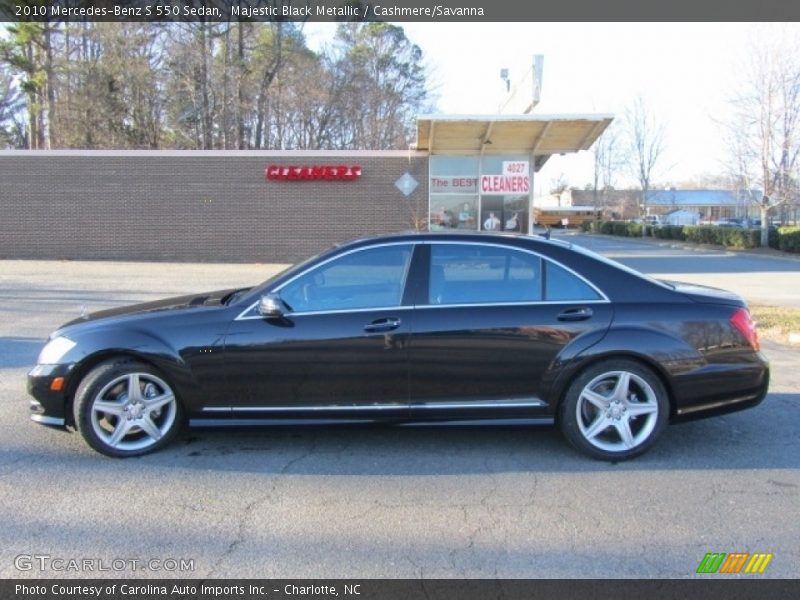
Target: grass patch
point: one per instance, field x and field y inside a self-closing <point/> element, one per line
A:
<point x="776" y="322"/>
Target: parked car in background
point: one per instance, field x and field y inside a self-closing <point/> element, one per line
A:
<point x="649" y="220"/>
<point x="653" y="220"/>
<point x="681" y="217"/>
<point x="728" y="222"/>
<point x="412" y="329"/>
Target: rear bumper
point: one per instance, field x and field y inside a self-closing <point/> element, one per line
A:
<point x="47" y="406"/>
<point x="744" y="397"/>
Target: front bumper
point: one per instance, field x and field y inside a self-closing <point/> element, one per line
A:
<point x="47" y="406"/>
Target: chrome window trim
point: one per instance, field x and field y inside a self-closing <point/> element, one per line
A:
<point x="413" y="244"/>
<point x="421" y="306"/>
<point x="243" y="316"/>
<point x="602" y="300"/>
<point x="333" y="312"/>
<point x="501" y="304"/>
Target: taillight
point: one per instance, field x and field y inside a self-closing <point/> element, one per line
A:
<point x="745" y="325"/>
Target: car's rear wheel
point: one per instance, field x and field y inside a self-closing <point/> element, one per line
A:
<point x="126" y="408"/>
<point x="614" y="410"/>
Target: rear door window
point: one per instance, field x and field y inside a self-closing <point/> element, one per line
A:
<point x="478" y="274"/>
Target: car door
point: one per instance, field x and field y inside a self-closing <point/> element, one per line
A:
<point x="489" y="326"/>
<point x="338" y="351"/>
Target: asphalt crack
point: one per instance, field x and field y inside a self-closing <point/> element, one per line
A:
<point x="249" y="510"/>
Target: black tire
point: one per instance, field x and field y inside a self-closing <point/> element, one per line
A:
<point x="606" y="422"/>
<point x="119" y="423"/>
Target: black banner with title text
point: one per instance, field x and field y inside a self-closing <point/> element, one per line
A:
<point x="395" y="10"/>
<point x="391" y="589"/>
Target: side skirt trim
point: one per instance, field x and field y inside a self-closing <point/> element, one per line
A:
<point x="380" y="408"/>
<point x="500" y="422"/>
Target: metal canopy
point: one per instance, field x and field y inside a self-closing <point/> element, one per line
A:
<point x="537" y="136"/>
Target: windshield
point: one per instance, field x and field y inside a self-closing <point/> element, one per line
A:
<point x="259" y="289"/>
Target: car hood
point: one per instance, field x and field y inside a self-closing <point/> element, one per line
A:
<point x="147" y="308"/>
<point x="705" y="294"/>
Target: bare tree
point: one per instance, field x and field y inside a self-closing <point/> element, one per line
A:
<point x="382" y="85"/>
<point x="609" y="157"/>
<point x="11" y="104"/>
<point x="559" y="184"/>
<point x="765" y="130"/>
<point x="207" y="85"/>
<point x="22" y="51"/>
<point x="192" y="103"/>
<point x="646" y="142"/>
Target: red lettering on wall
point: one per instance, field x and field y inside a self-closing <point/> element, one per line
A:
<point x="312" y="173"/>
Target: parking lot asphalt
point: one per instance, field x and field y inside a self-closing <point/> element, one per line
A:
<point x="761" y="278"/>
<point x="381" y="502"/>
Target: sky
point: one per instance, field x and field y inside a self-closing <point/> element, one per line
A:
<point x="686" y="73"/>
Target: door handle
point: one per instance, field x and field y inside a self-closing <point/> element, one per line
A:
<point x="575" y="314"/>
<point x="382" y="325"/>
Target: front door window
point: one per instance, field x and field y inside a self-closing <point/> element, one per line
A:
<point x="369" y="278"/>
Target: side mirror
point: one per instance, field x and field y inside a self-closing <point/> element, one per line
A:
<point x="271" y="306"/>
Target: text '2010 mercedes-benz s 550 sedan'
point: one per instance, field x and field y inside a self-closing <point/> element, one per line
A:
<point x="418" y="328"/>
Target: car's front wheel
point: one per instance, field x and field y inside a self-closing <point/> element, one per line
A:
<point x="614" y="410"/>
<point x="126" y="408"/>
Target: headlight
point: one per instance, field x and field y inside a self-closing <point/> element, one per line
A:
<point x="55" y="350"/>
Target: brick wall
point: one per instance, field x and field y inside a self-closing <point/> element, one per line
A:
<point x="196" y="206"/>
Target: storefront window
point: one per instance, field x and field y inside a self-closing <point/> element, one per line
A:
<point x="501" y="211"/>
<point x="454" y="165"/>
<point x="489" y="193"/>
<point x="453" y="193"/>
<point x="515" y="213"/>
<point x="453" y="212"/>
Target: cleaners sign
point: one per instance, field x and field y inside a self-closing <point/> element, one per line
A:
<point x="515" y="179"/>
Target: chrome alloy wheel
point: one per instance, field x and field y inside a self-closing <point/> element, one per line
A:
<point x="617" y="411"/>
<point x="133" y="411"/>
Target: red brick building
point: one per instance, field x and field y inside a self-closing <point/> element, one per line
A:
<point x="469" y="172"/>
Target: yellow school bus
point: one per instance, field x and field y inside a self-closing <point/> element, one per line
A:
<point x="563" y="216"/>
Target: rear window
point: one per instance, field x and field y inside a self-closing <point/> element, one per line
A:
<point x="560" y="284"/>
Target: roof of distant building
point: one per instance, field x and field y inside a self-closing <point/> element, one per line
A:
<point x="696" y="198"/>
<point x="678" y="211"/>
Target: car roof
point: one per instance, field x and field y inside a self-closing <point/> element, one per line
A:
<point x="483" y="236"/>
<point x="617" y="280"/>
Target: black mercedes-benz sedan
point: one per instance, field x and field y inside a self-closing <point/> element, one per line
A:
<point x="415" y="328"/>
